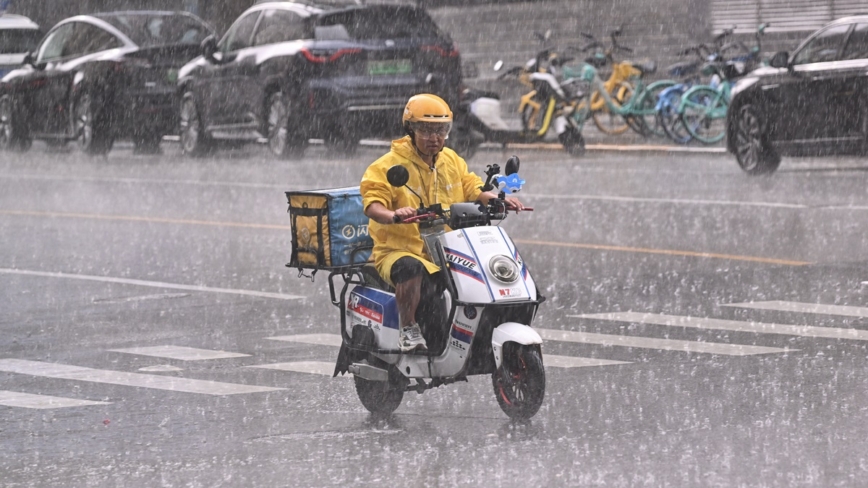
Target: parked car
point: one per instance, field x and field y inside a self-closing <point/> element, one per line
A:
<point x="814" y="101"/>
<point x="97" y="78"/>
<point x="18" y="36"/>
<point x="288" y="71"/>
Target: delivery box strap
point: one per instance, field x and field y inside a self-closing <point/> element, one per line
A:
<point x="308" y="212"/>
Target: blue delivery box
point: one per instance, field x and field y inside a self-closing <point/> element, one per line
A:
<point x="329" y="229"/>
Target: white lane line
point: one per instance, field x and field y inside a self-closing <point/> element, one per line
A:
<point x="660" y="344"/>
<point x="310" y="367"/>
<point x="732" y="325"/>
<point x="732" y="203"/>
<point x="549" y="360"/>
<point x="161" y="368"/>
<point x="813" y="308"/>
<point x="180" y="353"/>
<point x="139" y="181"/>
<point x="152" y="284"/>
<point x="29" y="400"/>
<point x="77" y="373"/>
<point x="315" y="339"/>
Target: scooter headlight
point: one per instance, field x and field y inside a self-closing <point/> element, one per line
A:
<point x="503" y="268"/>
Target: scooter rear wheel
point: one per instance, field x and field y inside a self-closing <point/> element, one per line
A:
<point x="379" y="397"/>
<point x="520" y="382"/>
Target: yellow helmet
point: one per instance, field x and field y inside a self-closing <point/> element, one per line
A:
<point x="426" y="107"/>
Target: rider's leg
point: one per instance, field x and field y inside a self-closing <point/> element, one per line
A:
<point x="406" y="274"/>
<point x="408" y="294"/>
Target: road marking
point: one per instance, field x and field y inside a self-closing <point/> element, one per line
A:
<point x="139" y="181"/>
<point x="28" y="400"/>
<point x="669" y="252"/>
<point x="77" y="373"/>
<point x="731" y="325"/>
<point x="309" y="367"/>
<point x="153" y="284"/>
<point x="161" y="368"/>
<point x="668" y="200"/>
<point x="550" y="360"/>
<point x="601" y="247"/>
<point x="181" y="353"/>
<point x="136" y="218"/>
<point x="660" y="344"/>
<point x="812" y="308"/>
<point x="335" y="340"/>
<point x="315" y="339"/>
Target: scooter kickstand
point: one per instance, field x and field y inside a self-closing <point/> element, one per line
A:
<point x="420" y="386"/>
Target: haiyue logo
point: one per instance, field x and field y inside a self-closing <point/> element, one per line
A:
<point x="351" y="231"/>
<point x="460" y="261"/>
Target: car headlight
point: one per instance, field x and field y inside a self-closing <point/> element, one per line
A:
<point x="503" y="268"/>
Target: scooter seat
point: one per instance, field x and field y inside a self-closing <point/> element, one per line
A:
<point x="373" y="279"/>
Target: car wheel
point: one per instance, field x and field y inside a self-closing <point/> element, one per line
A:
<point x="751" y="150"/>
<point x="12" y="137"/>
<point x="281" y="141"/>
<point x="194" y="142"/>
<point x="90" y="127"/>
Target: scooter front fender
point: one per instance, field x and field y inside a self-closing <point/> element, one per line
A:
<point x="512" y="332"/>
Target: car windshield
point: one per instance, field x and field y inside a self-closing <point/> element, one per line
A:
<point x="159" y="29"/>
<point x="14" y="41"/>
<point x="384" y="22"/>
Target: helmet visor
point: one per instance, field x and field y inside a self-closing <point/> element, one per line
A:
<point x="429" y="129"/>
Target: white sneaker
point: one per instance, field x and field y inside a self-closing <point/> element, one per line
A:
<point x="411" y="338"/>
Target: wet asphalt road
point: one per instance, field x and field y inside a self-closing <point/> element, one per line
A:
<point x="101" y="256"/>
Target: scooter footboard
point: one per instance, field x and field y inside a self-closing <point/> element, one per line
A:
<point x="512" y="332"/>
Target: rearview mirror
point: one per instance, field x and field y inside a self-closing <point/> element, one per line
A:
<point x="780" y="60"/>
<point x="397" y="175"/>
<point x="208" y="48"/>
<point x="512" y="165"/>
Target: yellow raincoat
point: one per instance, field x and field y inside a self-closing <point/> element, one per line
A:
<point x="447" y="183"/>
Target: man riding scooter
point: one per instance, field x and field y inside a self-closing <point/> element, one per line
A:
<point x="437" y="176"/>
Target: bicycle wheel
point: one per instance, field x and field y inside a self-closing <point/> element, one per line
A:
<point x="704" y="114"/>
<point x="646" y="109"/>
<point x="669" y="116"/>
<point x="608" y="121"/>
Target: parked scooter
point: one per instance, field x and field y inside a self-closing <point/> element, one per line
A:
<point x="487" y="302"/>
<point x="478" y="116"/>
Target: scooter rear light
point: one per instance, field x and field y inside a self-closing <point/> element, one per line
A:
<point x="322" y="56"/>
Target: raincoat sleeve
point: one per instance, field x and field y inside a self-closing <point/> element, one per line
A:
<point x="375" y="188"/>
<point x="471" y="183"/>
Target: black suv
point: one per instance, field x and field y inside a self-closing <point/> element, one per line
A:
<point x="289" y="71"/>
<point x="814" y="101"/>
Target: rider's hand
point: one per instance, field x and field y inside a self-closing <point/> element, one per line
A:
<point x="514" y="203"/>
<point x="403" y="213"/>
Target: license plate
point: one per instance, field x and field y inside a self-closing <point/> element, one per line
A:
<point x="390" y="67"/>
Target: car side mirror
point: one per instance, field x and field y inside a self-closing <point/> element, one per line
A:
<point x="28" y="59"/>
<point x="398" y="176"/>
<point x="208" y="48"/>
<point x="780" y="60"/>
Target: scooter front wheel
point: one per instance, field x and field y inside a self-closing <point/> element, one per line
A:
<point x="520" y="382"/>
<point x="379" y="397"/>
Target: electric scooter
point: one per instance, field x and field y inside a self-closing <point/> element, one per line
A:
<point x="483" y="309"/>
